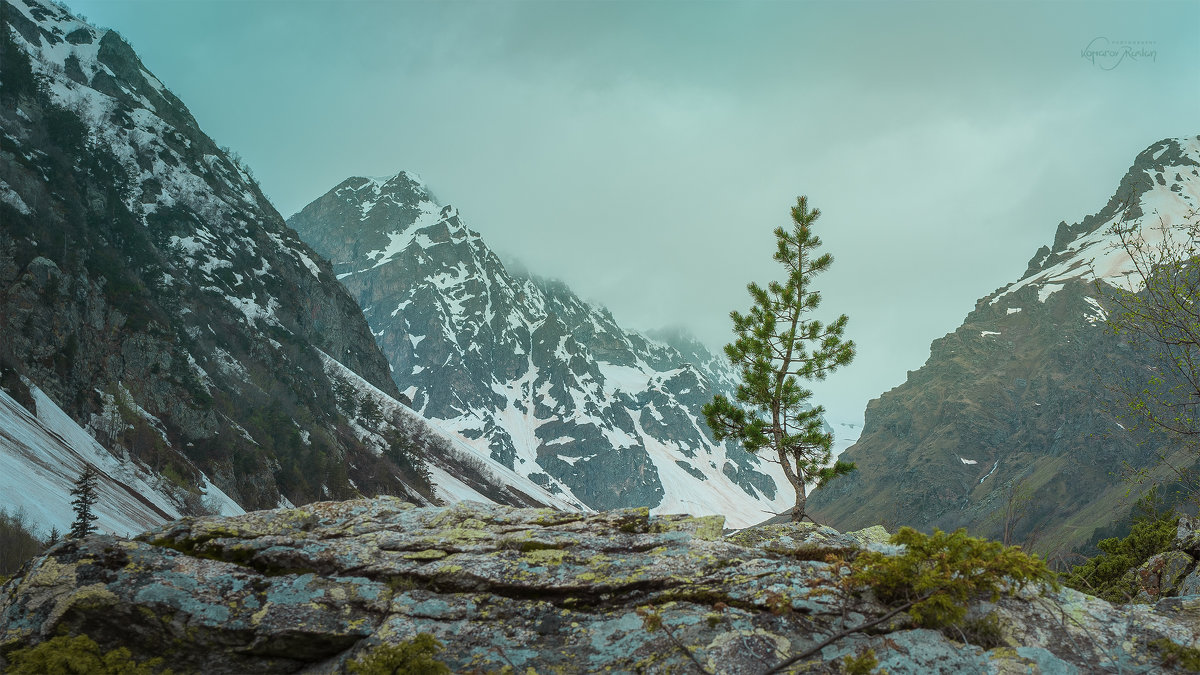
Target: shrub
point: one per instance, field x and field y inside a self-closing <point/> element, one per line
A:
<point x="939" y="574"/>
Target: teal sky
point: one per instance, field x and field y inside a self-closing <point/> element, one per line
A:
<point x="643" y="152"/>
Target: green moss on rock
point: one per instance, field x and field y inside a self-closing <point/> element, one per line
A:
<point x="411" y="657"/>
<point x="79" y="655"/>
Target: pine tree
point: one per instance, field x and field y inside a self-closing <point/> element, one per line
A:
<point x="777" y="345"/>
<point x="84" y="493"/>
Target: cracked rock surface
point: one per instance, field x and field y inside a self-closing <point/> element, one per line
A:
<point x="309" y="589"/>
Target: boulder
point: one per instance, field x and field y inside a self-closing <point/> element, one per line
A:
<point x="1162" y="574"/>
<point x="1190" y="584"/>
<point x="1187" y="536"/>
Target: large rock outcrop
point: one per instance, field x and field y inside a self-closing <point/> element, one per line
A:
<point x="310" y="589"/>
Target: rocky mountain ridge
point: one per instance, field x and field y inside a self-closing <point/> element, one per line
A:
<point x="1015" y="427"/>
<point x="524" y="371"/>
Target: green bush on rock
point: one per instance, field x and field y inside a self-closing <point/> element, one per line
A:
<point x="862" y="664"/>
<point x="1109" y="575"/>
<point x="939" y="574"/>
<point x="934" y="580"/>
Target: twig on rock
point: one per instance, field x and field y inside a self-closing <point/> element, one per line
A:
<point x="779" y="667"/>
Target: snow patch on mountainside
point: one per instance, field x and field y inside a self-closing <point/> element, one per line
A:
<point x="43" y="456"/>
<point x="448" y="487"/>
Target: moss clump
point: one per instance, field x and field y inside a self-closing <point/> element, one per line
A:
<point x="862" y="664"/>
<point x="777" y="602"/>
<point x="543" y="557"/>
<point x="411" y="657"/>
<point x="651" y="619"/>
<point x="401" y="584"/>
<point x="699" y="595"/>
<point x="79" y="655"/>
<point x="939" y="574"/>
<point x="633" y="521"/>
<point x="426" y="554"/>
<point x="705" y="528"/>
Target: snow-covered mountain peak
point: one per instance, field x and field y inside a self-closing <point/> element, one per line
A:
<point x="402" y="177"/>
<point x="525" y="371"/>
<point x="402" y="191"/>
<point x="1175" y="152"/>
<point x="1157" y="197"/>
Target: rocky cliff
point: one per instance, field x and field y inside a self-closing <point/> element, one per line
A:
<point x="524" y="371"/>
<point x="1016" y="426"/>
<point x="313" y="589"/>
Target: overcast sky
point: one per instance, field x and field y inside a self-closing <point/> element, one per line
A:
<point x="644" y="151"/>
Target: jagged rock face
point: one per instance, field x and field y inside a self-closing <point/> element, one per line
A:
<point x="310" y="589"/>
<point x="1174" y="572"/>
<point x="1017" y="420"/>
<point x="525" y="371"/>
<point x="152" y="291"/>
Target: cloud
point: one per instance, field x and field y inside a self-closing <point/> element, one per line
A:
<point x="643" y="152"/>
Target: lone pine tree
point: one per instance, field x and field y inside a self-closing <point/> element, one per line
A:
<point x="777" y="345"/>
<point x="84" y="493"/>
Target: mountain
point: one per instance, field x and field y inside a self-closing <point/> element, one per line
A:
<point x="151" y="293"/>
<point x="1015" y="421"/>
<point x="526" y="372"/>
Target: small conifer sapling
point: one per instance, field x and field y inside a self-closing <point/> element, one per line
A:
<point x="84" y="494"/>
<point x="778" y="344"/>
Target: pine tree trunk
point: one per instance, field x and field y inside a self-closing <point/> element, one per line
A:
<point x="797" y="482"/>
<point x="801" y="499"/>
